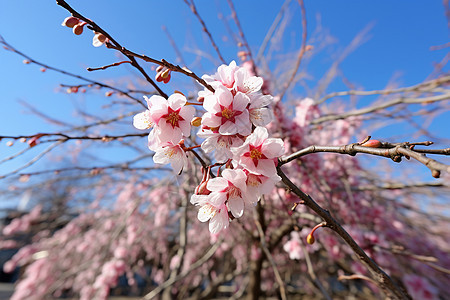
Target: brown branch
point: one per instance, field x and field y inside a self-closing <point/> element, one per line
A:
<point x="356" y="276"/>
<point x="381" y="278"/>
<point x="65" y="137"/>
<point x="98" y="29"/>
<point x="262" y="239"/>
<point x="164" y="63"/>
<point x="312" y="273"/>
<point x="421" y="87"/>
<point x="208" y="254"/>
<point x="395" y="153"/>
<point x="108" y="66"/>
<point x="191" y="5"/>
<point x="384" y="105"/>
<point x="241" y="34"/>
<point x="103" y="85"/>
<point x="300" y="53"/>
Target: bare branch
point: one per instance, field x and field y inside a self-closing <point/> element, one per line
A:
<point x="300" y="53"/>
<point x="395" y="153"/>
<point x="97" y="28"/>
<point x="387" y="104"/>
<point x="383" y="280"/>
<point x="193" y="8"/>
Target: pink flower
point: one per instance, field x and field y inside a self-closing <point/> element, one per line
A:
<point x="293" y="246"/>
<point x="214" y="212"/>
<point x="173" y="154"/>
<point x="260" y="114"/>
<point x="419" y="287"/>
<point x="224" y="76"/>
<point x="220" y="144"/>
<point x="258" y="185"/>
<point x="172" y="117"/>
<point x="230" y="188"/>
<point x="227" y="112"/>
<point x="234" y="78"/>
<point x="246" y="83"/>
<point x="259" y="153"/>
<point x="143" y="120"/>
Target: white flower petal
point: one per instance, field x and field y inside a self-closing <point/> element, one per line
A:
<point x="218" y="222"/>
<point x="273" y="148"/>
<point x="217" y="184"/>
<point x="236" y="206"/>
<point x="142" y="120"/>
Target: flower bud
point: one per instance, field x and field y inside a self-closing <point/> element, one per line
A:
<point x="165" y="74"/>
<point x="78" y="29"/>
<point x="197" y="121"/>
<point x="310" y="239"/>
<point x="70" y="22"/>
<point x="372" y="144"/>
<point x="99" y="39"/>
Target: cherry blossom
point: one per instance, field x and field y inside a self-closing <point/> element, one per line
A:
<point x="172" y="117"/>
<point x="143" y="119"/>
<point x="260" y="114"/>
<point x="234" y="78"/>
<point x="216" y="212"/>
<point x="259" y="185"/>
<point x="259" y="153"/>
<point x="293" y="246"/>
<point x="231" y="188"/>
<point x="219" y="143"/>
<point x="224" y="76"/>
<point x="419" y="287"/>
<point x="227" y="112"/>
<point x="173" y="154"/>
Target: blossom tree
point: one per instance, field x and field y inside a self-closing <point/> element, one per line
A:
<point x="240" y="187"/>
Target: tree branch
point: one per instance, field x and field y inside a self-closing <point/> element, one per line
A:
<point x="383" y="280"/>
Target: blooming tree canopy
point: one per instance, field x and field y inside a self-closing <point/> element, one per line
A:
<point x="239" y="187"/>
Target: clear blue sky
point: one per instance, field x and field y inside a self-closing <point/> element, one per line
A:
<point x="399" y="43"/>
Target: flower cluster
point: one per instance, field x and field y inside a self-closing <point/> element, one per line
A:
<point x="171" y="121"/>
<point x="233" y="127"/>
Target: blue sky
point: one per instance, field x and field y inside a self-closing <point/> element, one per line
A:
<point x="398" y="46"/>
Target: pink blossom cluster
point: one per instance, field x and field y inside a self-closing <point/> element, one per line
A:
<point x="233" y="127"/>
<point x="170" y="121"/>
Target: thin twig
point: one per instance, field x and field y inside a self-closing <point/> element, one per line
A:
<point x="103" y="85"/>
<point x="97" y="28"/>
<point x="300" y="53"/>
<point x="421" y="87"/>
<point x="241" y="34"/>
<point x="266" y="250"/>
<point x="191" y="5"/>
<point x="384" y="105"/>
<point x="194" y="266"/>
<point x="166" y="64"/>
<point x="109" y="66"/>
